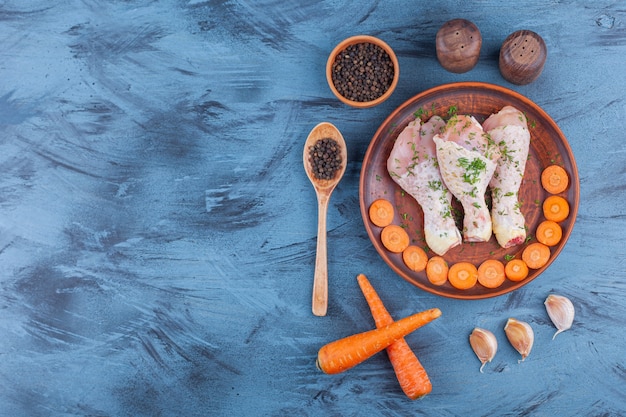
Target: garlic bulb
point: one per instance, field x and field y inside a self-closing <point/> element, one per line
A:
<point x="521" y="336"/>
<point x="561" y="312"/>
<point x="484" y="344"/>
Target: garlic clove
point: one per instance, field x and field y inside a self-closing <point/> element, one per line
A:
<point x="484" y="344"/>
<point x="520" y="335"/>
<point x="561" y="312"/>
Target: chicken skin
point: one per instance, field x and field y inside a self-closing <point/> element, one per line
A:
<point x="509" y="130"/>
<point x="413" y="165"/>
<point x="467" y="161"/>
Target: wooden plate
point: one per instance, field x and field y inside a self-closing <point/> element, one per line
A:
<point x="548" y="146"/>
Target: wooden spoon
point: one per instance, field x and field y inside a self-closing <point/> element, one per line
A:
<point x="323" y="190"/>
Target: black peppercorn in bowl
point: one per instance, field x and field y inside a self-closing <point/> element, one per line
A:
<point x="362" y="71"/>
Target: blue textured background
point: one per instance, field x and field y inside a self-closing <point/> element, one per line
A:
<point x="157" y="231"/>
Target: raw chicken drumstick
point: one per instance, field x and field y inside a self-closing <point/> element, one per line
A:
<point x="509" y="130"/>
<point x="413" y="165"/>
<point x="467" y="158"/>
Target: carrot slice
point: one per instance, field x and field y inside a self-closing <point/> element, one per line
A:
<point x="343" y="354"/>
<point x="394" y="238"/>
<point x="555" y="208"/>
<point x="549" y="233"/>
<point x="415" y="258"/>
<point x="516" y="270"/>
<point x="381" y="212"/>
<point x="536" y="255"/>
<point x="437" y="270"/>
<point x="463" y="275"/>
<point x="491" y="273"/>
<point x="411" y="375"/>
<point x="554" y="179"/>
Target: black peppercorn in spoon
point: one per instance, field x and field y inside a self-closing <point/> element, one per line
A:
<point x="325" y="169"/>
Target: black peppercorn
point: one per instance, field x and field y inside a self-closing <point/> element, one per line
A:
<point x="362" y="72"/>
<point x="325" y="158"/>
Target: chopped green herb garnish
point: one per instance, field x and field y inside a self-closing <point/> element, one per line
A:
<point x="472" y="169"/>
<point x="434" y="185"/>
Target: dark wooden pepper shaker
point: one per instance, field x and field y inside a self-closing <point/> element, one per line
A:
<point x="522" y="57"/>
<point x="458" y="45"/>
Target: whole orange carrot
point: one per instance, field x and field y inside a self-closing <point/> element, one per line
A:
<point x="411" y="375"/>
<point x="350" y="351"/>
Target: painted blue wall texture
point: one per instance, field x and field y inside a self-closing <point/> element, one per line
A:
<point x="158" y="232"/>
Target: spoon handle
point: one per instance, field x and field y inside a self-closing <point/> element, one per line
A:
<point x="320" y="279"/>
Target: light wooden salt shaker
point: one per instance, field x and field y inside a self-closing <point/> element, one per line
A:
<point x="458" y="45"/>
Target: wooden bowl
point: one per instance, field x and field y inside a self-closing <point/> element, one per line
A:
<point x="548" y="146"/>
<point x="354" y="40"/>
